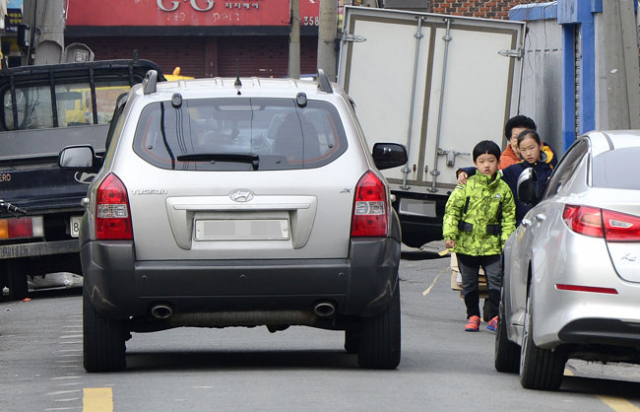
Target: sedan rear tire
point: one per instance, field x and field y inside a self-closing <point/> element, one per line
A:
<point x="380" y="338"/>
<point x="539" y="368"/>
<point x="507" y="353"/>
<point x="104" y="340"/>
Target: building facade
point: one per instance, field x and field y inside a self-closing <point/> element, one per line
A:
<point x="205" y="38"/>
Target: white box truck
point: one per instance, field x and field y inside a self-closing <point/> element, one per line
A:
<point x="438" y="84"/>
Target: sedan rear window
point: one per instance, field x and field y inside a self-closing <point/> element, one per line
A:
<point x="239" y="134"/>
<point x="617" y="169"/>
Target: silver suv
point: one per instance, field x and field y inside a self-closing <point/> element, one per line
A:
<point x="239" y="202"/>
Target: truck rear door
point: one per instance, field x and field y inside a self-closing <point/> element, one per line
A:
<point x="438" y="84"/>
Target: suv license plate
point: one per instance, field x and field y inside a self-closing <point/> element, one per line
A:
<point x="269" y="229"/>
<point x="74" y="226"/>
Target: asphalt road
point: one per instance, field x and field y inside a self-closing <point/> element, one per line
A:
<point x="443" y="368"/>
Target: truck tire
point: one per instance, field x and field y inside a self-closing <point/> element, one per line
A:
<point x="415" y="241"/>
<point x="380" y="345"/>
<point x="103" y="343"/>
<point x="539" y="368"/>
<point x="17" y="279"/>
<point x="507" y="353"/>
<point x="352" y="340"/>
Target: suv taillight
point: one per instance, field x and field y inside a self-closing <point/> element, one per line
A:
<point x="113" y="220"/>
<point x="613" y="226"/>
<point x="370" y="207"/>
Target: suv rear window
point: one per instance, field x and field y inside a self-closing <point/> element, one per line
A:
<point x="276" y="133"/>
<point x="617" y="169"/>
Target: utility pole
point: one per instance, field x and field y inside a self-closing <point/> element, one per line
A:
<point x="47" y="21"/>
<point x="327" y="33"/>
<point x="294" y="41"/>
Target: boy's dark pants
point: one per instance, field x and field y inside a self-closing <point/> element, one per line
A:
<point x="469" y="266"/>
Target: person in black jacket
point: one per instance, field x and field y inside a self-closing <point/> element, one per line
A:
<point x="535" y="154"/>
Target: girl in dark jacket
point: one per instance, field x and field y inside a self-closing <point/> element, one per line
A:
<point x="536" y="155"/>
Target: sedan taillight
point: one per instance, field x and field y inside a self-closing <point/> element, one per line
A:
<point x="370" y="207"/>
<point x="620" y="227"/>
<point x="592" y="221"/>
<point x="113" y="220"/>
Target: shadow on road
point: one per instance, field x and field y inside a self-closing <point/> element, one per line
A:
<point x="231" y="360"/>
<point x="604" y="387"/>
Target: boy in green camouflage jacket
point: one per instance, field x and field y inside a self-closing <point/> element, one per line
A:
<point x="479" y="217"/>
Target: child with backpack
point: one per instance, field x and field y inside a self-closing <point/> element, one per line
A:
<point x="479" y="217"/>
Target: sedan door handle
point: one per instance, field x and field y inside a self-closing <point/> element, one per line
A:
<point x="526" y="222"/>
<point x="540" y="217"/>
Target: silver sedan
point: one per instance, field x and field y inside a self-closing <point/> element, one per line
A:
<point x="571" y="284"/>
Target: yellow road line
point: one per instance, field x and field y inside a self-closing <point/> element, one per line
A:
<point x="618" y="404"/>
<point x="97" y="400"/>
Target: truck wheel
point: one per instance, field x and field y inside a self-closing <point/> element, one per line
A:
<point x="103" y="343"/>
<point x="413" y="240"/>
<point x="352" y="340"/>
<point x="539" y="368"/>
<point x="507" y="353"/>
<point x="17" y="275"/>
<point x="380" y="345"/>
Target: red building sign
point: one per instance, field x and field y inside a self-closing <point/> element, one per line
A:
<point x="188" y="13"/>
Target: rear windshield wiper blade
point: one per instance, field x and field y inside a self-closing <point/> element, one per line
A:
<point x="222" y="157"/>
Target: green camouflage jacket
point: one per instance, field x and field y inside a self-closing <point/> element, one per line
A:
<point x="480" y="216"/>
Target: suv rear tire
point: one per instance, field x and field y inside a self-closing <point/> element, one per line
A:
<point x="380" y="338"/>
<point x="103" y="340"/>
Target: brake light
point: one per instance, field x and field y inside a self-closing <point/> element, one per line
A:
<point x="113" y="218"/>
<point x="591" y="221"/>
<point x="21" y="227"/>
<point x="370" y="207"/>
<point x="620" y="227"/>
<point x="584" y="220"/>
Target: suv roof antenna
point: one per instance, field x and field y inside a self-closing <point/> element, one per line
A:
<point x="237" y="84"/>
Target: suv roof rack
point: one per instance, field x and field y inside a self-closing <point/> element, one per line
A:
<point x="150" y="81"/>
<point x="324" y="85"/>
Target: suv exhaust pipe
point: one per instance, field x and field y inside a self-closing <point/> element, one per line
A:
<point x="161" y="311"/>
<point x="324" y="309"/>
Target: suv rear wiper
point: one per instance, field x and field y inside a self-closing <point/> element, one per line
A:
<point x="222" y="157"/>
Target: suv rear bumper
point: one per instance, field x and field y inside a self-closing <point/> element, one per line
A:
<point x="360" y="285"/>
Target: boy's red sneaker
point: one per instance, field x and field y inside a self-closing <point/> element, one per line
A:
<point x="493" y="324"/>
<point x="473" y="324"/>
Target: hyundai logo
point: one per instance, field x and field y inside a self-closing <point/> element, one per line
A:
<point x="242" y="195"/>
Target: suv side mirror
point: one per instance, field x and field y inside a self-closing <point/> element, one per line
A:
<point x="79" y="158"/>
<point x="528" y="187"/>
<point x="388" y="155"/>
